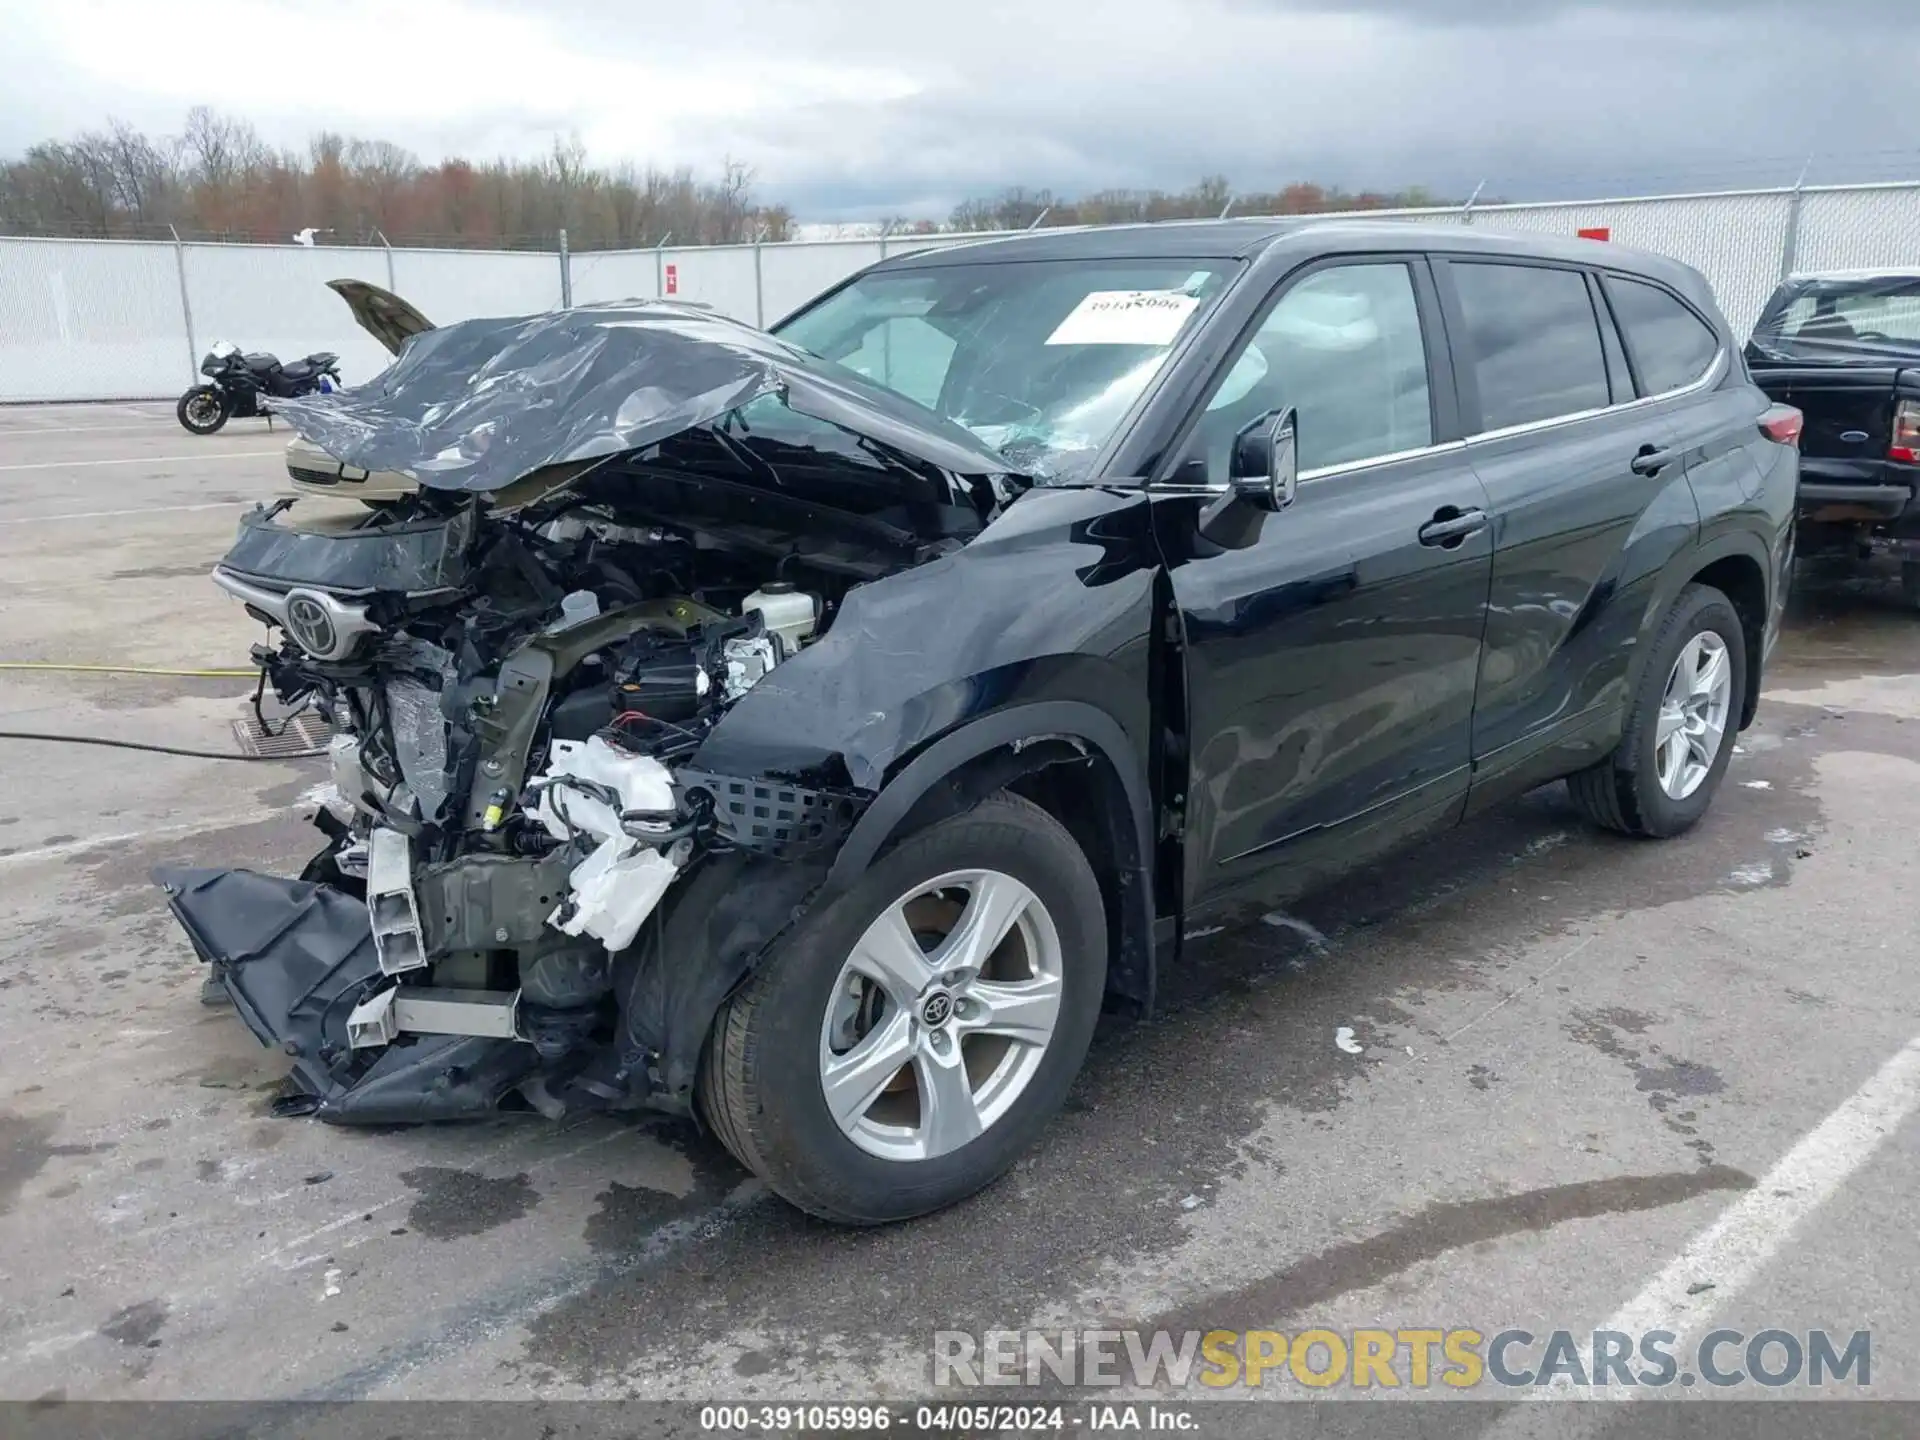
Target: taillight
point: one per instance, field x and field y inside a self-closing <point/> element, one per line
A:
<point x="1906" y="432"/>
<point x="1783" y="424"/>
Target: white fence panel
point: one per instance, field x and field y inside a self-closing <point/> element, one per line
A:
<point x="1452" y="215"/>
<point x="98" y="320"/>
<point x="275" y="298"/>
<point x="907" y="244"/>
<point x="449" y="285"/>
<point x="601" y="275"/>
<point x="1736" y="240"/>
<point x="723" y="277"/>
<point x="792" y="274"/>
<point x="1859" y="229"/>
<point x="90" y="320"/>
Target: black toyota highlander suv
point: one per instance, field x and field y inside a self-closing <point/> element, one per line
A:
<point x="810" y="731"/>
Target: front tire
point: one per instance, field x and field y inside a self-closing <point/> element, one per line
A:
<point x="1681" y="722"/>
<point x="908" y="1041"/>
<point x="201" y="411"/>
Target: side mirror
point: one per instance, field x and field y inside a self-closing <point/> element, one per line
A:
<point x="1266" y="461"/>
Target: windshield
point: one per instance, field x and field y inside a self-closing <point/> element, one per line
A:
<point x="1039" y="359"/>
<point x="1812" y="316"/>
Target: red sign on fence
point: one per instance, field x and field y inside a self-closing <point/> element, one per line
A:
<point x="673" y="279"/>
<point x="1597" y="232"/>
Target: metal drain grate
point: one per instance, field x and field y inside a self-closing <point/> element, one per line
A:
<point x="302" y="734"/>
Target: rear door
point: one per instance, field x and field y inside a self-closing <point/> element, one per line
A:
<point x="1589" y="496"/>
<point x="1331" y="658"/>
<point x="1679" y="366"/>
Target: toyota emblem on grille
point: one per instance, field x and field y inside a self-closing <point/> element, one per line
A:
<point x="309" y="622"/>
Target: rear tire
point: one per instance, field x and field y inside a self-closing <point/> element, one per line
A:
<point x="201" y="411"/>
<point x="1629" y="791"/>
<point x="1910" y="582"/>
<point x="777" y="1047"/>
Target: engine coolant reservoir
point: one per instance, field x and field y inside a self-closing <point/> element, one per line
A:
<point x="789" y="613"/>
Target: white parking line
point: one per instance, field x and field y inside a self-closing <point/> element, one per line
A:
<point x="146" y="460"/>
<point x="1736" y="1247"/>
<point x="1733" y="1249"/>
<point x="30" y="431"/>
<point x="128" y="837"/>
<point x="112" y="514"/>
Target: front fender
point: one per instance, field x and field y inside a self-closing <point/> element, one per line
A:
<point x="1053" y="601"/>
<point x="1040" y="628"/>
<point x="1069" y="719"/>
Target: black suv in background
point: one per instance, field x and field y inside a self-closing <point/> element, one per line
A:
<point x="1844" y="347"/>
<point x="812" y="729"/>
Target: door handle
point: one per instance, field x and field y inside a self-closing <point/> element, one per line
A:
<point x="1450" y="525"/>
<point x="1651" y="460"/>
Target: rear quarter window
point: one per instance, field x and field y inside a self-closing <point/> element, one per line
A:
<point x="1671" y="346"/>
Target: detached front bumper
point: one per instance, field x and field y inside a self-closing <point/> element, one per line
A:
<point x="296" y="958"/>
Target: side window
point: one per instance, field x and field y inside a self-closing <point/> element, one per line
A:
<point x="1532" y="342"/>
<point x="1344" y="348"/>
<point x="1897" y="317"/>
<point x="1671" y="345"/>
<point x="906" y="354"/>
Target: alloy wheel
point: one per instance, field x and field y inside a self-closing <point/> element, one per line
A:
<point x="941" y="1016"/>
<point x="1693" y="714"/>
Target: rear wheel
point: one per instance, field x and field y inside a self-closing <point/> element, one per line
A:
<point x="905" y="1045"/>
<point x="1681" y="720"/>
<point x="1910" y="582"/>
<point x="202" y="410"/>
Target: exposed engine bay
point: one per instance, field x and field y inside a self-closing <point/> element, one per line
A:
<point x="534" y="892"/>
<point x="517" y="701"/>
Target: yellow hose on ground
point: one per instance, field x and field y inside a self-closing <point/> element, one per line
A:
<point x="127" y="670"/>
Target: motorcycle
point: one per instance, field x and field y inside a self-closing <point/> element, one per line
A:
<point x="244" y="385"/>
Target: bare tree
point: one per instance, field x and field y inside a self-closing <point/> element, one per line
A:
<point x="218" y="177"/>
<point x="733" y="206"/>
<point x="220" y="149"/>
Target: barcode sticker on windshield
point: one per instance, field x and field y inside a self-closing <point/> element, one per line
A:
<point x="1125" y="317"/>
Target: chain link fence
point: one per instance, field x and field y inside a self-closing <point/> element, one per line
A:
<point x="126" y="319"/>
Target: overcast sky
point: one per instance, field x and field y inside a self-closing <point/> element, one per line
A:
<point x="849" y="108"/>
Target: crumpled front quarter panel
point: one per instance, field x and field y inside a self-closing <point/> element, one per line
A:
<point x="1053" y="601"/>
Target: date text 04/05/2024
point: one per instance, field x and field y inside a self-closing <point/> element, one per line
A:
<point x="942" y="1419"/>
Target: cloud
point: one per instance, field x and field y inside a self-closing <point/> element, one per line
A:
<point x="1499" y="13"/>
<point x="870" y="106"/>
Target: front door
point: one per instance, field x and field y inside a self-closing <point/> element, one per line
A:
<point x="1330" y="663"/>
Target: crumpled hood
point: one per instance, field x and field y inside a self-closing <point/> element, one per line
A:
<point x="476" y="405"/>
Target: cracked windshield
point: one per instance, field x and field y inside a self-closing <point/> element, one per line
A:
<point x="1040" y="360"/>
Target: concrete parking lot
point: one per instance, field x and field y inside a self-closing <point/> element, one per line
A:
<point x="1582" y="1062"/>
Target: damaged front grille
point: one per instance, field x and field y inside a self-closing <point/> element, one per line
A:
<point x="302" y="734"/>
